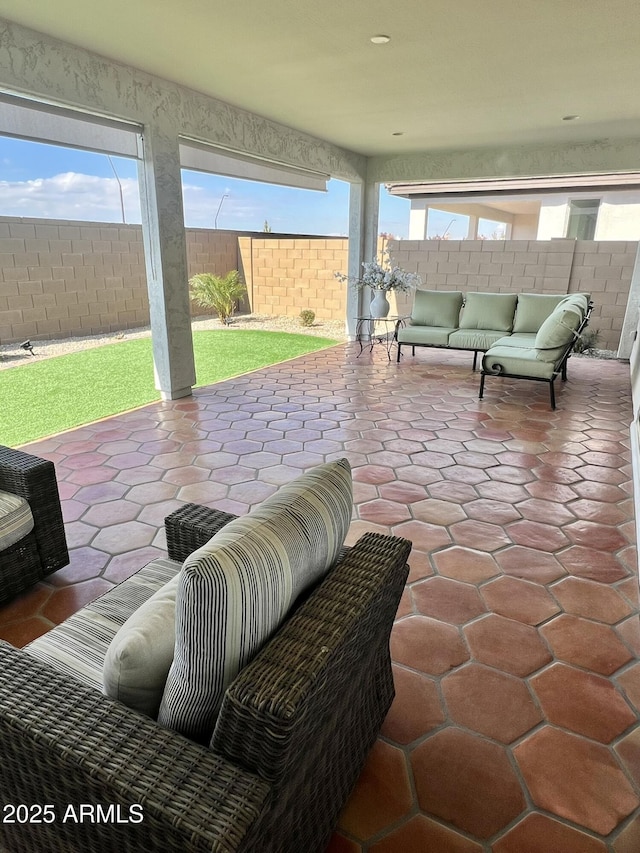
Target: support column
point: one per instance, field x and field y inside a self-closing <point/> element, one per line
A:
<point x="364" y="203"/>
<point x="165" y="251"/>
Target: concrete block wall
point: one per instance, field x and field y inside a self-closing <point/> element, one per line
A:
<point x="290" y="274"/>
<point x="603" y="269"/>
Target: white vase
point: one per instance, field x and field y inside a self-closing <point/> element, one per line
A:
<point x="379" y="306"/>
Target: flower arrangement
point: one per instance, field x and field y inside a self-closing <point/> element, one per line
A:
<point x="382" y="276"/>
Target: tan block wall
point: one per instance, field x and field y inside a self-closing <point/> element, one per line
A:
<point x="64" y="278"/>
<point x="290" y="274"/>
<point x="602" y="269"/>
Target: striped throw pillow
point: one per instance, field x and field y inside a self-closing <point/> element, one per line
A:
<point x="234" y="592"/>
<point x="16" y="519"/>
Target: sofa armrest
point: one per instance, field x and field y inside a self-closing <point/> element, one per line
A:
<point x="34" y="479"/>
<point x="190" y="527"/>
<point x="65" y="745"/>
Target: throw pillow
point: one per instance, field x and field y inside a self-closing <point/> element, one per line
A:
<point x="235" y="591"/>
<point x="137" y="662"/>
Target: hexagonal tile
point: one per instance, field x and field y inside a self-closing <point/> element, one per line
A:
<point x="420" y="833"/>
<point x="465" y="564"/>
<point x="592" y="600"/>
<point x="582" y="702"/>
<point x="541" y="834"/>
<point x="489" y="702"/>
<point x="496" y="512"/>
<point x="425" y="537"/>
<point x="447" y="600"/>
<point x="383" y="512"/>
<point x="520" y="600"/>
<point x="590" y="534"/>
<point x="533" y="534"/>
<point x="585" y="643"/>
<point x="437" y="511"/>
<point x="382" y="794"/>
<point x="119" y="538"/>
<point x="507" y="645"/>
<point x="595" y="565"/>
<point x="451" y="767"/>
<point x="576" y="779"/>
<point x="416" y="708"/>
<point x="479" y="535"/>
<point x="427" y="645"/>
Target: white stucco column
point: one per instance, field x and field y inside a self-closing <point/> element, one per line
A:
<point x="364" y="203"/>
<point x="418" y="219"/>
<point x="166" y="261"/>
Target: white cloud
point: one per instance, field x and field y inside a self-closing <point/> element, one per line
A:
<point x="71" y="195"/>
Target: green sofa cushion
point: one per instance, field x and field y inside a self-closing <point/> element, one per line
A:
<point x="494" y="311"/>
<point x="533" y="309"/>
<point x="474" y="339"/>
<point x="439" y="308"/>
<point x="559" y="327"/>
<point x="433" y="336"/>
<point x="521" y="361"/>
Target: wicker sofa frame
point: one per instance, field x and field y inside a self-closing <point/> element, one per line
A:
<point x="292" y="736"/>
<point x="44" y="550"/>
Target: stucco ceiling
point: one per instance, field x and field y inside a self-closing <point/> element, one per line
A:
<point x="457" y="75"/>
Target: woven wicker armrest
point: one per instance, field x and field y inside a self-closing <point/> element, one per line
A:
<point x="66" y="745"/>
<point x="190" y="527"/>
<point x="306" y="711"/>
<point x="34" y="479"/>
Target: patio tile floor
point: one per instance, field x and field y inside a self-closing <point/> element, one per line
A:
<point x="515" y="727"/>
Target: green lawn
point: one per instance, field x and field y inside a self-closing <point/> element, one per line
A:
<point x="45" y="397"/>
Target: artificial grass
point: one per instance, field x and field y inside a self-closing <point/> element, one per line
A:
<point x="45" y="397"/>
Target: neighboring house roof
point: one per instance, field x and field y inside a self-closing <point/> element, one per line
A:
<point x="516" y="186"/>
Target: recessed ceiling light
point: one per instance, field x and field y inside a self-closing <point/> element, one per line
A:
<point x="398" y="133"/>
<point x="380" y="39"/>
<point x="569" y="118"/>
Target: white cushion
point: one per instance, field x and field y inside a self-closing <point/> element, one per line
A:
<point x="139" y="656"/>
<point x="234" y="592"/>
<point x="16" y="519"/>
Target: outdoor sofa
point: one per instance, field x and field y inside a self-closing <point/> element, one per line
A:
<point x="295" y="723"/>
<point x="522" y="336"/>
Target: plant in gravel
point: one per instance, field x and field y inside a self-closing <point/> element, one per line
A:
<point x="307" y="316"/>
<point x="587" y="341"/>
<point x="220" y="293"/>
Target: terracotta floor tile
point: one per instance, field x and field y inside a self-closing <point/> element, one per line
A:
<point x="541" y="834"/>
<point x="63" y="602"/>
<point x="490" y="702"/>
<point x="629" y="751"/>
<point x="551" y="491"/>
<point x="451" y="767"/>
<point x="422" y="834"/>
<point x="533" y="534"/>
<point x="629" y="680"/>
<point x="425" y="537"/>
<point x="382" y="794"/>
<point x="427" y="645"/>
<point x="576" y="779"/>
<point x="437" y="511"/>
<point x="629" y="839"/>
<point x="416" y="709"/>
<point x="587" y="644"/>
<point x="447" y="600"/>
<point x="480" y="535"/>
<point x="24" y="631"/>
<point x="590" y="563"/>
<point x="507" y="645"/>
<point x="530" y="564"/>
<point x="582" y="702"/>
<point x="497" y="512"/>
<point x="465" y="564"/>
<point x="520" y="600"/>
<point x="592" y="600"/>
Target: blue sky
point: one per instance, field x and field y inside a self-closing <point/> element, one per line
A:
<point x="63" y="183"/>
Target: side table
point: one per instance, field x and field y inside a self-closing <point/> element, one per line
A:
<point x="378" y="330"/>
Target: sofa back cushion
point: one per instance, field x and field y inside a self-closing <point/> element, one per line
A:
<point x="439" y="308"/>
<point x="493" y="311"/>
<point x="559" y="327"/>
<point x="533" y="309"/>
<point x="234" y="592"/>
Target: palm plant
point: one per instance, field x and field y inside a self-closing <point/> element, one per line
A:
<point x="220" y="293"/>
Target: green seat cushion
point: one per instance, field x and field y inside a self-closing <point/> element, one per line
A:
<point x="474" y="339"/>
<point x="493" y="311"/>
<point x="521" y="361"/>
<point x="533" y="309"/>
<point x="436" y="308"/>
<point x="517" y="339"/>
<point x="434" y="336"/>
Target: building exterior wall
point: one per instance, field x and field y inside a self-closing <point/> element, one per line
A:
<point x="63" y="278"/>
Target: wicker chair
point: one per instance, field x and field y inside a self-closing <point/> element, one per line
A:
<point x="44" y="549"/>
<point x="291" y="739"/>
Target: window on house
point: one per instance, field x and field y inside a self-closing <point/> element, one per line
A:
<point x="492" y="229"/>
<point x="583" y="215"/>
